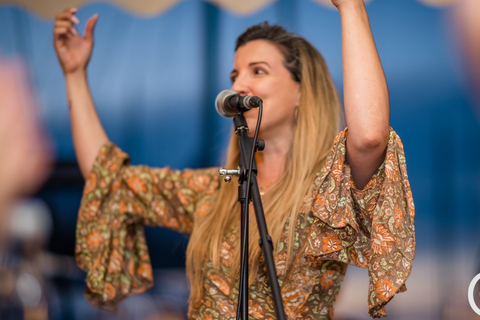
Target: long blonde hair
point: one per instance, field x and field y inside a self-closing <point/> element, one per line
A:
<point x="317" y="123"/>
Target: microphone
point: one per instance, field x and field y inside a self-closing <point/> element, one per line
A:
<point x="229" y="103"/>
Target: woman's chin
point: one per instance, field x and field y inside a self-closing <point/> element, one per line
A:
<point x="251" y="122"/>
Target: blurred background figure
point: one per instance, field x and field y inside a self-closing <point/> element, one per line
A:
<point x="467" y="21"/>
<point x="24" y="225"/>
<point x="25" y="156"/>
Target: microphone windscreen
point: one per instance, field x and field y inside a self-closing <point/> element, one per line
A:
<point x="220" y="103"/>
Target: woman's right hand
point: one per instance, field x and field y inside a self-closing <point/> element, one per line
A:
<point x="73" y="50"/>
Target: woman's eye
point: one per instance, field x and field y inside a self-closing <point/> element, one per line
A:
<point x="259" y="71"/>
<point x="233" y="78"/>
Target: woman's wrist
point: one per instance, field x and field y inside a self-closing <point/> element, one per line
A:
<point x="77" y="76"/>
<point x="350" y="5"/>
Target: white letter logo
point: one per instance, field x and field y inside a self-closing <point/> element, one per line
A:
<point x="471" y="299"/>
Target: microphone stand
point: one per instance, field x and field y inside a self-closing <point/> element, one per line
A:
<point x="246" y="146"/>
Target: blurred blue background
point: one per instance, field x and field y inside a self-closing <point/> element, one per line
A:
<point x="154" y="80"/>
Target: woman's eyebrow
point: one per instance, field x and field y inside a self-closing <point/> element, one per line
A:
<point x="258" y="62"/>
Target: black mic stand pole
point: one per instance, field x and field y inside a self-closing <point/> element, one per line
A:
<point x="245" y="144"/>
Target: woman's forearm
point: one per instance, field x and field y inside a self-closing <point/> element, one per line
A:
<point x="87" y="130"/>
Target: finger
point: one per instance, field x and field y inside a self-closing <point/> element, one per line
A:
<point x="67" y="14"/>
<point x="61" y="31"/>
<point x="74" y="31"/>
<point x="65" y="29"/>
<point x="67" y="18"/>
<point x="90" y="26"/>
<point x="75" y="19"/>
<point x="67" y="24"/>
<point x="63" y="23"/>
<point x="67" y="35"/>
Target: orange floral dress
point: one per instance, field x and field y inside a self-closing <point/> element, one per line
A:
<point x="338" y="225"/>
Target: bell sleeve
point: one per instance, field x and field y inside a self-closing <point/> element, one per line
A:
<point x="118" y="201"/>
<point x="371" y="228"/>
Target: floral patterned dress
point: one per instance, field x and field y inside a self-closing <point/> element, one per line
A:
<point x="338" y="225"/>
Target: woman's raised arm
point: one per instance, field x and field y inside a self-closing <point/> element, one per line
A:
<point x="365" y="93"/>
<point x="73" y="52"/>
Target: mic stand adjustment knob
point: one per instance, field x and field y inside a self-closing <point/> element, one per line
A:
<point x="228" y="173"/>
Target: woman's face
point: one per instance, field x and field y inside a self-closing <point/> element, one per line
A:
<point x="258" y="70"/>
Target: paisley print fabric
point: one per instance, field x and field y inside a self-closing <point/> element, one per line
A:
<point x="338" y="225"/>
<point x="372" y="228"/>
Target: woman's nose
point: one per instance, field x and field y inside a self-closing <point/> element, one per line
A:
<point x="240" y="85"/>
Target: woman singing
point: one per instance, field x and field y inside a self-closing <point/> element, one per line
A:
<point x="330" y="198"/>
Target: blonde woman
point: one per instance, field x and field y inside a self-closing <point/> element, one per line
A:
<point x="330" y="198"/>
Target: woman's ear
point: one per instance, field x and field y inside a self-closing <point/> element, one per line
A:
<point x="299" y="96"/>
